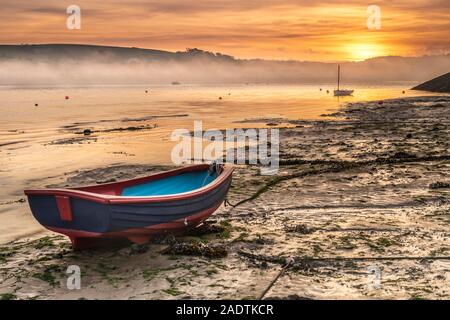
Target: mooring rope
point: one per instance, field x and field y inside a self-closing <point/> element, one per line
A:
<point x="279" y="260"/>
<point x="335" y="167"/>
<point x="227" y="202"/>
<point x="289" y="262"/>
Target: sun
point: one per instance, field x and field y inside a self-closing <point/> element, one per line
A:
<point x="363" y="51"/>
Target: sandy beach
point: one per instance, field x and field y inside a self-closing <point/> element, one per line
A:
<point x="362" y="186"/>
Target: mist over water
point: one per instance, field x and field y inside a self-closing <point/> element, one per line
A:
<point x="55" y="66"/>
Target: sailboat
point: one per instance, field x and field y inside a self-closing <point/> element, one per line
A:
<point x="343" y="92"/>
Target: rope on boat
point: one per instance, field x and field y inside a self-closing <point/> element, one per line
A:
<point x="289" y="262"/>
<point x="214" y="168"/>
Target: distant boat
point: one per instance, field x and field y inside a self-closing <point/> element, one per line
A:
<point x="137" y="209"/>
<point x="343" y="92"/>
<point x="175" y="83"/>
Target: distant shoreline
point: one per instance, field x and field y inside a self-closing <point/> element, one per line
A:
<point x="80" y="64"/>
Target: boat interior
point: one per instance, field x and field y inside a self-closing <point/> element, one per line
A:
<point x="169" y="183"/>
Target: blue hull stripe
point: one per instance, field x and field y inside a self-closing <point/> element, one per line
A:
<point x="101" y="218"/>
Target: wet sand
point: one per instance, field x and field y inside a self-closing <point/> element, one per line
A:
<point x="364" y="189"/>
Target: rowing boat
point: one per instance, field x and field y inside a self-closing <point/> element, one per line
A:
<point x="136" y="209"/>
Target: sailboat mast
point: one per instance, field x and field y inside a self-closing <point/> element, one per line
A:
<point x="339" y="75"/>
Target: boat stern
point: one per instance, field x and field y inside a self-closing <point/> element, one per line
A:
<point x="65" y="214"/>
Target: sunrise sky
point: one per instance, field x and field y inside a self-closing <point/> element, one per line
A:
<point x="328" y="30"/>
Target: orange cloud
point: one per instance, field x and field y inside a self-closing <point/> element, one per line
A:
<point x="275" y="29"/>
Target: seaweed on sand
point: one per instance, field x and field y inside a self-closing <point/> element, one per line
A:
<point x="5" y="252"/>
<point x="173" y="291"/>
<point x="43" y="242"/>
<point x="288" y="297"/>
<point x="8" y="296"/>
<point x="206" y="228"/>
<point x="299" y="228"/>
<point x="194" y="248"/>
<point x="138" y="249"/>
<point x="439" y="185"/>
<point x="47" y="275"/>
